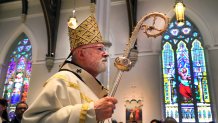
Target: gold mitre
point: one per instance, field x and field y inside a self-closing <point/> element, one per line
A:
<point x="86" y="33"/>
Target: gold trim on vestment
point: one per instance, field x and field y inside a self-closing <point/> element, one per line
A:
<point x="83" y="112"/>
<point x="84" y="97"/>
<point x="88" y="79"/>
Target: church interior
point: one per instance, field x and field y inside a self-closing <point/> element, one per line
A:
<point x="34" y="39"/>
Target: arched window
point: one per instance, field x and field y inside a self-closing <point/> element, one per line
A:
<point x="18" y="73"/>
<point x="184" y="72"/>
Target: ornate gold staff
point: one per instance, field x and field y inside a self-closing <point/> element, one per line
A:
<point x="123" y="63"/>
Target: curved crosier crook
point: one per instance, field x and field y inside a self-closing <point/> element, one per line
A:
<point x="123" y="63"/>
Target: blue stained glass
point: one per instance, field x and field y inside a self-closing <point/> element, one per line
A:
<point x="175" y="41"/>
<point x="188" y="113"/>
<point x="28" y="48"/>
<point x="169" y="71"/>
<point x="18" y="55"/>
<point x="20" y="48"/>
<point x="184" y="72"/>
<point x="180" y="36"/>
<point x="14" y="52"/>
<point x="195" y="34"/>
<point x="11" y="70"/>
<point x="174" y="32"/>
<point x="19" y="43"/>
<point x="18" y="74"/>
<point x="21" y="64"/>
<point x="188" y="23"/>
<point x="29" y="69"/>
<point x="187" y="40"/>
<point x="12" y="59"/>
<point x="166" y="37"/>
<point x="184" y="77"/>
<point x="16" y="95"/>
<point x="170" y="41"/>
<point x="25" y="41"/>
<point x="171" y="25"/>
<point x="26" y="55"/>
<point x="186" y="30"/>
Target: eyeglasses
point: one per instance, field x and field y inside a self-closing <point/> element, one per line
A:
<point x="100" y="48"/>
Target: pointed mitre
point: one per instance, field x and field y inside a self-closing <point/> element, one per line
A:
<point x="86" y="33"/>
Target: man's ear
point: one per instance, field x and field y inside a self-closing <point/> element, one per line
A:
<point x="81" y="54"/>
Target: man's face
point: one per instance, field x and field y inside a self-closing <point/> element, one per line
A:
<point x="21" y="108"/>
<point x="96" y="58"/>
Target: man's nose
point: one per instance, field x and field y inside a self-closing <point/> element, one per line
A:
<point x="105" y="54"/>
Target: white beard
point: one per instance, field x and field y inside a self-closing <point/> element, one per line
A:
<point x="102" y="65"/>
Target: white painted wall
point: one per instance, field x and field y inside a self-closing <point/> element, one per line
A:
<point x="144" y="80"/>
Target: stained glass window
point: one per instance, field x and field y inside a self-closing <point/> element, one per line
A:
<point x="18" y="74"/>
<point x="184" y="71"/>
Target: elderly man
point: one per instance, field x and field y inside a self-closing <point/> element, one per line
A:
<point x="74" y="95"/>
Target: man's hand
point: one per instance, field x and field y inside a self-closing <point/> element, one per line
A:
<point x="104" y="108"/>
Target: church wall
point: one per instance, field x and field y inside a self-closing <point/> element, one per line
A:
<point x="34" y="28"/>
<point x="119" y="29"/>
<point x="7" y="29"/>
<point x="38" y="28"/>
<point x="213" y="70"/>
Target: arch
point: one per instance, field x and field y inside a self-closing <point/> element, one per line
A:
<point x="21" y="29"/>
<point x="184" y="72"/>
<point x="208" y="38"/>
<point x="18" y="73"/>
